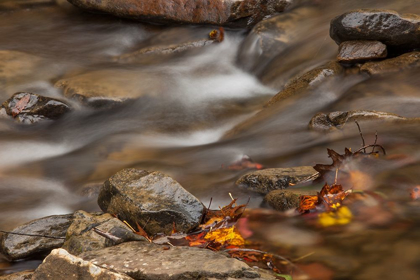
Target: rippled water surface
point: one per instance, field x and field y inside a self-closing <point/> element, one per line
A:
<point x="184" y="110"/>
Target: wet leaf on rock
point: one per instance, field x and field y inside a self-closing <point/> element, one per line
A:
<point x="21" y="105"/>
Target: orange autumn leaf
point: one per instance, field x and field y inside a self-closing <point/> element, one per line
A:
<point x="415" y="193"/>
<point x="226" y="237"/>
<point x="196" y="240"/>
<point x="329" y="196"/>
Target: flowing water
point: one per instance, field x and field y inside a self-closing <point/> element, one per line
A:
<point x="185" y="106"/>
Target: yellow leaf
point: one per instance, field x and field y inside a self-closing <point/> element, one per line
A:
<point x="226" y="236"/>
<point x="342" y="216"/>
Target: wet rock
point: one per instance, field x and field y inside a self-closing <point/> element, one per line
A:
<point x="107" y="86"/>
<point x="336" y="120"/>
<point x="392" y="65"/>
<point x="264" y="181"/>
<point x="217" y="12"/>
<point x="15" y="247"/>
<point x="22" y="275"/>
<point x="392" y="29"/>
<point x="81" y="236"/>
<point x="358" y="51"/>
<point x="62" y="265"/>
<point x="307" y="81"/>
<point x="283" y="200"/>
<point x="150" y="198"/>
<point x="29" y="108"/>
<point x="272" y="37"/>
<point x="149" y="261"/>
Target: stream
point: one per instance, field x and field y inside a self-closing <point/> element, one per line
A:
<point x="190" y="114"/>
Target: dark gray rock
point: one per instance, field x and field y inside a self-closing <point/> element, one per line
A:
<point x="150" y="198"/>
<point x="264" y="181"/>
<point x="29" y="108"/>
<point x="336" y="120"/>
<point x="16" y="247"/>
<point x="359" y="51"/>
<point x="62" y="265"/>
<point x="150" y="261"/>
<point x="309" y="80"/>
<point x="22" y="275"/>
<point x="216" y="12"/>
<point x="392" y="65"/>
<point x="392" y="29"/>
<point x="81" y="236"/>
<point x="283" y="200"/>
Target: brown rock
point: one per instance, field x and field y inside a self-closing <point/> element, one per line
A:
<point x="392" y="29"/>
<point x="357" y="51"/>
<point x="62" y="265"/>
<point x="336" y="120"/>
<point x="22" y="275"/>
<point x="307" y="81"/>
<point x="283" y="200"/>
<point x="217" y="12"/>
<point x="264" y="181"/>
<point x="392" y="65"/>
<point x="149" y="261"/>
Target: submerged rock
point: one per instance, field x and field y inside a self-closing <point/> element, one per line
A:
<point x="264" y="181"/>
<point x="387" y="26"/>
<point x="15" y="247"/>
<point x="307" y="81"/>
<point x="29" y="108"/>
<point x="62" y="265"/>
<point x="358" y="51"/>
<point x="150" y="261"/>
<point x="336" y="120"/>
<point x="151" y="199"/>
<point x="283" y="200"/>
<point x="216" y="12"/>
<point x="392" y="65"/>
<point x="81" y="236"/>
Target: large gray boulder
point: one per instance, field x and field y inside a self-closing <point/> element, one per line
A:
<point x="62" y="265"/>
<point x="392" y="29"/>
<point x="149" y="261"/>
<point x="152" y="199"/>
<point x="32" y="243"/>
<point x="217" y="12"/>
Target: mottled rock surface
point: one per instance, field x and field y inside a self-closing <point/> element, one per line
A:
<point x="81" y="236"/>
<point x="283" y="200"/>
<point x="16" y="247"/>
<point x="150" y="198"/>
<point x="392" y="65"/>
<point x="62" y="265"/>
<point x="29" y="108"/>
<point x="392" y="29"/>
<point x="336" y="120"/>
<point x="149" y="261"/>
<point x="358" y="51"/>
<point x="307" y="81"/>
<point x="22" y="275"/>
<point x="217" y="12"/>
<point x="264" y="181"/>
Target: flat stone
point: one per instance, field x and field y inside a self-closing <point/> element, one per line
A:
<point x="308" y="80"/>
<point x="150" y="261"/>
<point x="358" y="51"/>
<point x="81" y="236"/>
<point x="336" y="120"/>
<point x="62" y="265"/>
<point x="29" y="108"/>
<point x="264" y="181"/>
<point x="392" y="65"/>
<point x="22" y="275"/>
<point x="150" y="198"/>
<point x="216" y="12"/>
<point x="392" y="29"/>
<point x="283" y="200"/>
<point x="15" y="247"/>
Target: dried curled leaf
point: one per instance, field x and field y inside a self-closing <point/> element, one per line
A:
<point x="329" y="198"/>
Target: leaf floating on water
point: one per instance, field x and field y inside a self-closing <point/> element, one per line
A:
<point x="244" y="163"/>
<point x="217" y="35"/>
<point x="329" y="198"/>
<point x="342" y="216"/>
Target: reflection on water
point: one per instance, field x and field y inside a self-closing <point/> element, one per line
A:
<point x="185" y="106"/>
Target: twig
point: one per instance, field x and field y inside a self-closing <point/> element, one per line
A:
<point x="336" y="176"/>
<point x="361" y="135"/>
<point x="304" y="256"/>
<point x="34" y="235"/>
<point x="107" y="235"/>
<point x="374" y="144"/>
<point x="367" y="146"/>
